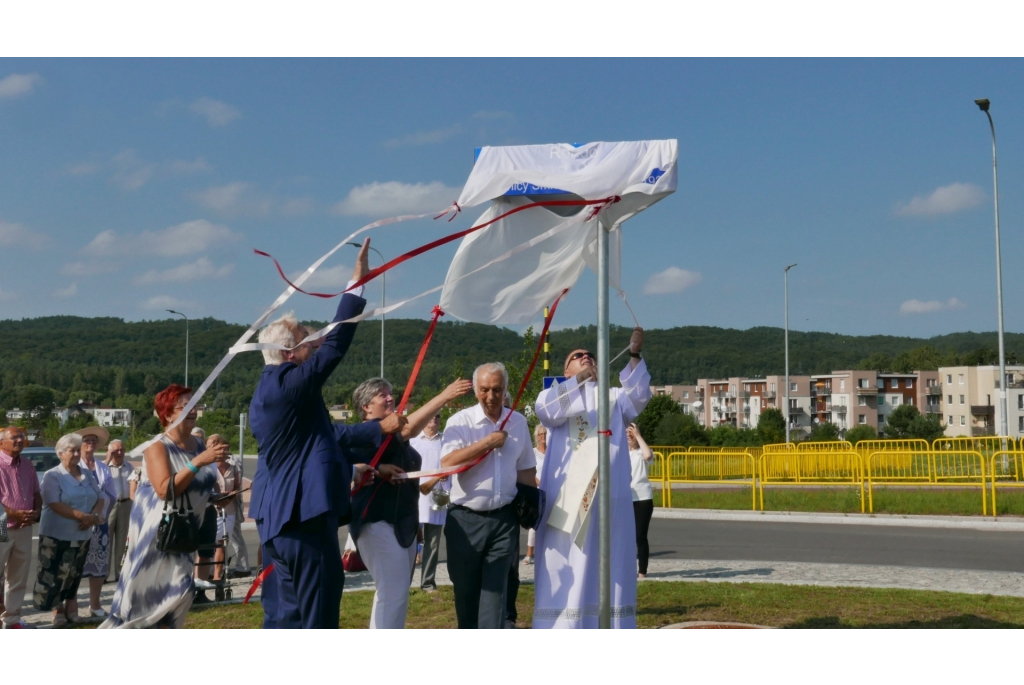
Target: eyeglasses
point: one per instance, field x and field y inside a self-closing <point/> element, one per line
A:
<point x="579" y="355"/>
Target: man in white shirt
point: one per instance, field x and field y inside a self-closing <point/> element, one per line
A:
<point x="428" y="444"/>
<point x="482" y="531"/>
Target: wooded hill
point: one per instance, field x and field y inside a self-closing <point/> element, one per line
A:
<point x="110" y="361"/>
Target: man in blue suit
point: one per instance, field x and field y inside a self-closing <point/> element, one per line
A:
<point x="300" y="493"/>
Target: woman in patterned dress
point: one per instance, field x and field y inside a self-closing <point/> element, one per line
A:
<point x="155" y="589"/>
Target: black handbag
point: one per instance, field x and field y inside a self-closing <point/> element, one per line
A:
<point x="178" y="531"/>
<point x="528" y="505"/>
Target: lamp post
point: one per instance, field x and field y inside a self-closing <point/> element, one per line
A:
<point x="186" y="341"/>
<point x="383" y="295"/>
<point x="604" y="471"/>
<point x="786" y="277"/>
<point x="983" y="105"/>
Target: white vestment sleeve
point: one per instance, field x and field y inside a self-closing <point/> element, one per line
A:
<point x="636" y="391"/>
<point x="559" y="402"/>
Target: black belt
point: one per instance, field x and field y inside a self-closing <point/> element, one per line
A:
<point x="489" y="512"/>
<point x="124" y="499"/>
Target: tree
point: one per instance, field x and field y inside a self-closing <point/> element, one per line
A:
<point x="858" y="433"/>
<point x="678" y="430"/>
<point x="771" y="426"/>
<point x="824" y="432"/>
<point x="878" y="361"/>
<point x="34" y="396"/>
<point x="907" y="422"/>
<point x="657" y="409"/>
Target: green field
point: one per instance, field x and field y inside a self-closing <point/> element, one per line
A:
<point x="664" y="603"/>
<point x="922" y="501"/>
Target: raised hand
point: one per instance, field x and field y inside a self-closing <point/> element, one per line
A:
<point x="588" y="373"/>
<point x="636" y="341"/>
<point x="362" y="261"/>
<point x="457" y="389"/>
<point x="497" y="439"/>
<point x="393" y="423"/>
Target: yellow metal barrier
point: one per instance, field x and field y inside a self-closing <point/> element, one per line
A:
<point x="778" y="447"/>
<point x="986" y="445"/>
<point x="657" y="473"/>
<point x="909" y="447"/>
<point x="1006" y="470"/>
<point x="705" y="465"/>
<point x="806" y="468"/>
<point x="830" y="446"/>
<point x="948" y="467"/>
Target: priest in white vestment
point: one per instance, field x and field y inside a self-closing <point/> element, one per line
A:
<point x="566" y="575"/>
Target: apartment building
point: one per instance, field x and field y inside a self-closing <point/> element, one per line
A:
<point x="970" y="400"/>
<point x="685" y="395"/>
<point x="739" y="402"/>
<point x="846" y="399"/>
<point x="897" y="389"/>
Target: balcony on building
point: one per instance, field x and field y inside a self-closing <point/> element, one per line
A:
<point x="870" y="390"/>
<point x="983" y="410"/>
<point x="933" y="389"/>
<point x="768" y="394"/>
<point x="981" y="431"/>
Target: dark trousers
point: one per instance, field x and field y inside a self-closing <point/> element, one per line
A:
<point x="431" y="552"/>
<point x="117" y="522"/>
<point x="480" y="549"/>
<point x="512" y="592"/>
<point x="642" y="512"/>
<point x="306" y="591"/>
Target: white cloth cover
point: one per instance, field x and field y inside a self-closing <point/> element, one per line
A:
<point x="515" y="290"/>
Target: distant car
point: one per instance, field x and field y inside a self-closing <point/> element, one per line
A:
<point x="43" y="458"/>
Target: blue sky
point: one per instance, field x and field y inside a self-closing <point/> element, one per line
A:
<point x="131" y="186"/>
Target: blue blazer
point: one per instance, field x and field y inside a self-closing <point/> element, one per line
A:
<point x="302" y="471"/>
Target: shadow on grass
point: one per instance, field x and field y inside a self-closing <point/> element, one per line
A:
<point x="719" y="572"/>
<point x="959" y="621"/>
<point x="676" y="610"/>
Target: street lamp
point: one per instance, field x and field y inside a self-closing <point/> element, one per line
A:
<point x="186" y="342"/>
<point x="983" y="105"/>
<point x="786" y="414"/>
<point x="383" y="295"/>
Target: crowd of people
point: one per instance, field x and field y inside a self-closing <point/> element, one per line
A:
<point x="165" y="530"/>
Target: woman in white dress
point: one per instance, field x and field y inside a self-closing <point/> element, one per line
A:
<point x="155" y="589"/>
<point x="640" y="456"/>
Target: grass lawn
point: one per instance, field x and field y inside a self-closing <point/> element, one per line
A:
<point x="664" y="603"/>
<point x="934" y="501"/>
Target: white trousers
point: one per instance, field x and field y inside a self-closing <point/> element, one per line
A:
<point x="15" y="558"/>
<point x="390" y="565"/>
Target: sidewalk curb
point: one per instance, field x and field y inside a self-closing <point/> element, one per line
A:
<point x="986" y="523"/>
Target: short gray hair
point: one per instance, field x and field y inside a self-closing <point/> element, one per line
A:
<point x="366" y="391"/>
<point x="110" y="444"/>
<point x="199" y="433"/>
<point x="491" y="367"/>
<point x="540" y="428"/>
<point x="68" y="442"/>
<point x="279" y="332"/>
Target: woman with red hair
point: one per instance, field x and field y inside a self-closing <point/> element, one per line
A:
<point x="155" y="589"/>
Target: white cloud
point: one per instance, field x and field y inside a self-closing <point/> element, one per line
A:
<point x="671" y="280"/>
<point x="930" y="307"/>
<point x="425" y="137"/>
<point x="175" y="241"/>
<point x="69" y="291"/>
<point x="18" y="84"/>
<point x="226" y="198"/>
<point x="183" y="166"/>
<point x="166" y="302"/>
<point x="16" y="235"/>
<point x="333" y="278"/>
<point x="945" y="200"/>
<point x="198" y="270"/>
<point x="394" y="197"/>
<point x="90" y="268"/>
<point x="239" y="198"/>
<point x="130" y="172"/>
<point x="217" y="113"/>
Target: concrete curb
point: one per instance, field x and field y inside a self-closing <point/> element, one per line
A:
<point x="962" y="522"/>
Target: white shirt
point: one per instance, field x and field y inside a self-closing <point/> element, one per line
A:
<point x="119" y="475"/>
<point x="491" y="484"/>
<point x="430" y="450"/>
<point x="639" y="483"/>
<point x="539" y="457"/>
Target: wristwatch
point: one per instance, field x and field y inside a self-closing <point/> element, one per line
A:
<point x="634" y="355"/>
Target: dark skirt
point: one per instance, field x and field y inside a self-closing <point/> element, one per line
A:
<point x="60" y="571"/>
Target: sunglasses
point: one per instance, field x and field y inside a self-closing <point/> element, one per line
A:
<point x="579" y="355"/>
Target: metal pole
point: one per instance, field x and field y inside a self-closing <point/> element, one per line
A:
<point x="241" y="446"/>
<point x="186" y="340"/>
<point x="383" y="303"/>
<point x="1003" y="420"/>
<point x="787" y="348"/>
<point x="547" y="349"/>
<point x="604" y="480"/>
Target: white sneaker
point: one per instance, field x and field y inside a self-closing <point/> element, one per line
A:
<point x="98" y="613"/>
<point x="204" y="584"/>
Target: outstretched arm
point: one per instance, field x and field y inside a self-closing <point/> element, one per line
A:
<point x="560" y="401"/>
<point x="421" y="417"/>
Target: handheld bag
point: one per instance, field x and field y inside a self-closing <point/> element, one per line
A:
<point x="178" y="531"/>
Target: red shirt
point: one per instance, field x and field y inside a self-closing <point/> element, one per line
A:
<point x="18" y="484"/>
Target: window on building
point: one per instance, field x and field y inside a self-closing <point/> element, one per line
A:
<point x="881" y="400"/>
<point x="1020" y="401"/>
<point x="842" y="385"/>
<point x="894" y="383"/>
<point x="862" y="419"/>
<point x="862" y="401"/>
<point x="894" y="400"/>
<point x="773" y="387"/>
<point x="961" y="379"/>
<point x="732" y="388"/>
<point x="686" y="394"/>
<point x="949" y="420"/>
<point x="881" y="419"/>
<point x="910" y="382"/>
<point x="963" y="420"/>
<point x="1020" y="424"/>
<point x="792" y="387"/>
<point x="909" y="400"/>
<point x="961" y="399"/>
<point x="949" y="399"/>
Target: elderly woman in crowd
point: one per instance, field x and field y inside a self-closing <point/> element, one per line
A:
<point x="155" y="589"/>
<point x="117" y="520"/>
<point x="97" y="563"/>
<point x="73" y="505"/>
<point x="385" y="513"/>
